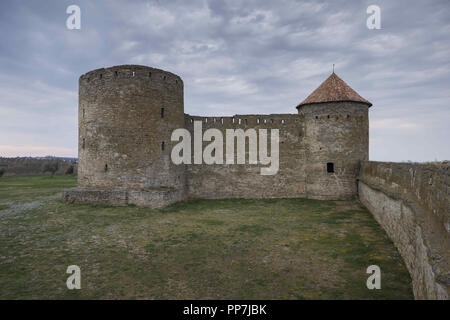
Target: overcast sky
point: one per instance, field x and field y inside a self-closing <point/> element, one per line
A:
<point x="234" y="57"/>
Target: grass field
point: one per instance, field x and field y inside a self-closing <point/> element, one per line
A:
<point x="200" y="249"/>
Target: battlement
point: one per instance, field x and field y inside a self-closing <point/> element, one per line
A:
<point x="130" y="74"/>
<point x="245" y="120"/>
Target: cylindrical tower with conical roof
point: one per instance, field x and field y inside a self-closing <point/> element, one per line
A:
<point x="337" y="139"/>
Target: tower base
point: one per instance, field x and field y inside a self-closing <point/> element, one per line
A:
<point x="151" y="198"/>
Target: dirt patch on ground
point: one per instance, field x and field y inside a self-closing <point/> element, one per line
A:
<point x="18" y="207"/>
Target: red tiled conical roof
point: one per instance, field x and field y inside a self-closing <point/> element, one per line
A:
<point x="333" y="89"/>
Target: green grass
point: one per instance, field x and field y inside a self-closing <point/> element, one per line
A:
<point x="200" y="249"/>
<point x="33" y="187"/>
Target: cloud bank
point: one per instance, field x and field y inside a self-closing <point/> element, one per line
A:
<point x="234" y="57"/>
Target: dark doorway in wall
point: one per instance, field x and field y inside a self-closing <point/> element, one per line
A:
<point x="330" y="167"/>
<point x="162" y="113"/>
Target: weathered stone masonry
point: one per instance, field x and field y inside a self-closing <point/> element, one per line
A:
<point x="411" y="202"/>
<point x="126" y="117"/>
<point x="334" y="133"/>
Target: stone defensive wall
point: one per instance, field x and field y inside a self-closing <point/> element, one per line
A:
<point x="411" y="202"/>
<point x="245" y="180"/>
<point x="127" y="115"/>
<point x="335" y="134"/>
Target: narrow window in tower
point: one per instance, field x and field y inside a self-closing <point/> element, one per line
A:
<point x="101" y="75"/>
<point x="83" y="144"/>
<point x="246" y="122"/>
<point x="221" y="120"/>
<point x="330" y="167"/>
<point x="134" y="73"/>
<point x="257" y="120"/>
<point x="162" y="146"/>
<point x="149" y="74"/>
<point x="83" y="113"/>
<point x="115" y="73"/>
<point x="106" y="167"/>
<point x="162" y="113"/>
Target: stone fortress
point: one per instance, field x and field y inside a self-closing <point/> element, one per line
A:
<point x="128" y="113"/>
<point x="126" y="118"/>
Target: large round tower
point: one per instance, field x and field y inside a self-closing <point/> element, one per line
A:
<point x="337" y="139"/>
<point x="126" y="116"/>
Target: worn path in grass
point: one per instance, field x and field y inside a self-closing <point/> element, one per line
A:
<point x="200" y="249"/>
<point x="18" y="194"/>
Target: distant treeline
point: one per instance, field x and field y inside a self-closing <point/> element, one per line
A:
<point x="24" y="166"/>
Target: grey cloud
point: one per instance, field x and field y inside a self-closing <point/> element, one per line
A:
<point x="234" y="57"/>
